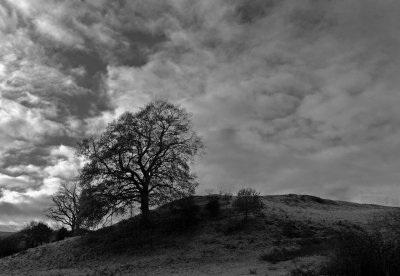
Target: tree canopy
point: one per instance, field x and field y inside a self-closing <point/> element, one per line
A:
<point x="36" y="233"/>
<point x="141" y="158"/>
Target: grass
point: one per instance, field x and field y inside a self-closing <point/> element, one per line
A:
<point x="252" y="271"/>
<point x="306" y="270"/>
<point x="303" y="247"/>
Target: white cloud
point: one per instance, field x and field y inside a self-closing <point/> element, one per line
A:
<point x="50" y="27"/>
<point x="65" y="164"/>
<point x="64" y="151"/>
<point x="23" y="169"/>
<point x="22" y="123"/>
<point x="49" y="187"/>
<point x="13" y="197"/>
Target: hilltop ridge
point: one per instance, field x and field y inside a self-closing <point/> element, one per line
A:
<point x="221" y="246"/>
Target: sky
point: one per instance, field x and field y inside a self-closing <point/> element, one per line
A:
<point x="289" y="96"/>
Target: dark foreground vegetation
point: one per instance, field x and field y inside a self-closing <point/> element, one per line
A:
<point x="369" y="253"/>
<point x="32" y="235"/>
<point x="182" y="218"/>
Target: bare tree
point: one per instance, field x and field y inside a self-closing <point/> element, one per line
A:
<point x="65" y="206"/>
<point x="141" y="158"/>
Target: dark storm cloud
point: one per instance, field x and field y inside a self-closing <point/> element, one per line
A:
<point x="78" y="40"/>
<point x="247" y="12"/>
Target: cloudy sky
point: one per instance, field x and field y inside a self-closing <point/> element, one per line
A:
<point x="290" y="96"/>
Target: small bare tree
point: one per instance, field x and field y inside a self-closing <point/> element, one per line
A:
<point x="65" y="206"/>
<point x="248" y="201"/>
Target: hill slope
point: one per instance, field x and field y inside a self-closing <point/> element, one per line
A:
<point x="305" y="226"/>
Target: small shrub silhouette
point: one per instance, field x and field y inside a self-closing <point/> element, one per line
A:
<point x="62" y="234"/>
<point x="248" y="201"/>
<point x="226" y="196"/>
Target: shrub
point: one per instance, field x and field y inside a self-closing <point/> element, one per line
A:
<point x="62" y="234"/>
<point x="213" y="206"/>
<point x="8" y="246"/>
<point x="305" y="248"/>
<point x="248" y="201"/>
<point x="36" y="233"/>
<point x="226" y="196"/>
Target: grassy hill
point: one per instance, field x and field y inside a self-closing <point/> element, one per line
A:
<point x="294" y="231"/>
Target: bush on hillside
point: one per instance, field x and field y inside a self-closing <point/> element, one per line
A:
<point x="248" y="201"/>
<point x="9" y="245"/>
<point x="36" y="233"/>
<point x="62" y="233"/>
<point x="226" y="196"/>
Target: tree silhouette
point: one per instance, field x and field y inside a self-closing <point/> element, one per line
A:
<point x="248" y="201"/>
<point x="62" y="233"/>
<point x="36" y="233"/>
<point x="142" y="158"/>
<point x="65" y="207"/>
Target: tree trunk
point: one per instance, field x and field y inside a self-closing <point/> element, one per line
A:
<point x="75" y="228"/>
<point x="144" y="206"/>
